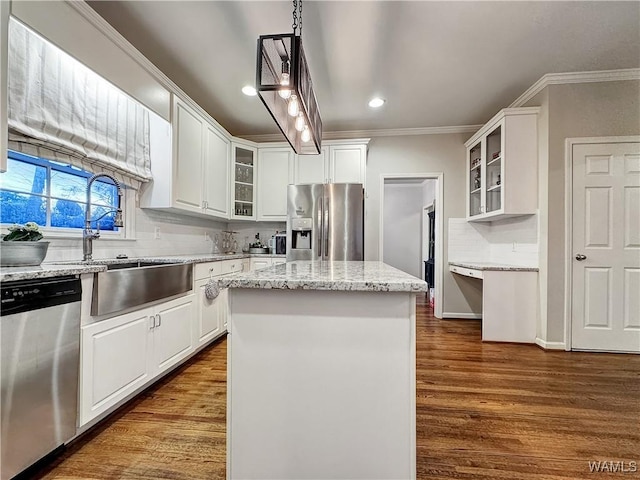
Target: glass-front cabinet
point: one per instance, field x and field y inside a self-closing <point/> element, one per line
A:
<point x="244" y="191"/>
<point x="502" y="166"/>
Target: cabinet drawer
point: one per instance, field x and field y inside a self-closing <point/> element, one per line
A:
<point x="206" y="270"/>
<point x="467" y="272"/>
<point x="230" y="266"/>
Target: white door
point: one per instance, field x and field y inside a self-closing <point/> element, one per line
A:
<point x="274" y="174"/>
<point x="606" y="232"/>
<point x="347" y="163"/>
<point x="115" y="355"/>
<point x="312" y="168"/>
<point x="209" y="315"/>
<point x="216" y="171"/>
<point x="172" y="337"/>
<point x="188" y="157"/>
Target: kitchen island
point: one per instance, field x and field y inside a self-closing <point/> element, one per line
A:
<point x="321" y="372"/>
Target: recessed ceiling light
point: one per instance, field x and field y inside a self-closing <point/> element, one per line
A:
<point x="249" y="90"/>
<point x="376" y="102"/>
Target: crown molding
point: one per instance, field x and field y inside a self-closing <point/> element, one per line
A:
<point x="390" y="132"/>
<point x="575" y="77"/>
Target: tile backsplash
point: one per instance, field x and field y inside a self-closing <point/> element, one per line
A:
<point x="513" y="241"/>
<point x="161" y="233"/>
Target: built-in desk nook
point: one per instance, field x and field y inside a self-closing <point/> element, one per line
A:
<point x="509" y="299"/>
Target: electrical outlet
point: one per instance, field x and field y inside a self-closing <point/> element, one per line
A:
<point x="513" y="248"/>
<point x="156" y="233"/>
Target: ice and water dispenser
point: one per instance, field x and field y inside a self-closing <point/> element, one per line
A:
<point x="301" y="232"/>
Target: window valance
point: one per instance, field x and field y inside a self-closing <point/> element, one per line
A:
<point x="61" y="110"/>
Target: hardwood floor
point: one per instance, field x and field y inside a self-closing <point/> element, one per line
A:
<point x="484" y="411"/>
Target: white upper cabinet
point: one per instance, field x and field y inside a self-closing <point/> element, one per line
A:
<point x="188" y="140"/>
<point x="312" y="168"/>
<point x="4" y="42"/>
<point x="275" y="172"/>
<point x="347" y="163"/>
<point x="244" y="167"/>
<point x="502" y="166"/>
<point x="338" y="162"/>
<point x="216" y="173"/>
<point x="190" y="165"/>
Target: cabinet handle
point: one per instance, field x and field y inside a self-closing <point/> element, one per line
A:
<point x="152" y="322"/>
<point x="159" y="319"/>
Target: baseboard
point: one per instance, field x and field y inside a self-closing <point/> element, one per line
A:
<point x="462" y="316"/>
<point x="550" y="345"/>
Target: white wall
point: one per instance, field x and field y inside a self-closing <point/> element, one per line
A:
<point x="569" y="111"/>
<point x="419" y="154"/>
<point x="402" y="227"/>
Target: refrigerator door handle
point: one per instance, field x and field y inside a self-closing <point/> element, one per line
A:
<point x="326" y="227"/>
<point x="321" y="233"/>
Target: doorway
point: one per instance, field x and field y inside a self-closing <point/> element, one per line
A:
<point x="406" y="204"/>
<point x="603" y="244"/>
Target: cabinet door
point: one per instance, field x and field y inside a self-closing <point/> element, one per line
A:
<point x="114" y="363"/>
<point x="208" y="314"/>
<point x="312" y="168"/>
<point x="493" y="174"/>
<point x="475" y="176"/>
<point x="243" y="192"/>
<point x="189" y="151"/>
<point x="257" y="263"/>
<point x="347" y="163"/>
<point x="172" y="335"/>
<point x="216" y="173"/>
<point x="275" y="172"/>
<point x="224" y="308"/>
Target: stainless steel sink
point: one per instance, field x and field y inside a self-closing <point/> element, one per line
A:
<point x="127" y="285"/>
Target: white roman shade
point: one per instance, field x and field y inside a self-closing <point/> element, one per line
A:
<point x="61" y="110"/>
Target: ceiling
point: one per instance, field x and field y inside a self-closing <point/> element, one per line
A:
<point x="436" y="63"/>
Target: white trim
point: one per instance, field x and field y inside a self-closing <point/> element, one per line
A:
<point x="497" y="118"/>
<point x="439" y="207"/>
<point x="462" y="316"/>
<point x="568" y="216"/>
<point x="550" y="345"/>
<point x="575" y="77"/>
<point x="386" y="132"/>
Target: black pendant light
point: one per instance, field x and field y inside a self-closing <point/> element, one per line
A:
<point x="284" y="85"/>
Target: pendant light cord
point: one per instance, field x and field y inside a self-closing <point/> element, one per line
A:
<point x="297" y="12"/>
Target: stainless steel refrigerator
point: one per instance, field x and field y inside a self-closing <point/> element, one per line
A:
<point x="325" y="222"/>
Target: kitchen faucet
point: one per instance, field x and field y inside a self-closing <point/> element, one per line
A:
<point x="88" y="234"/>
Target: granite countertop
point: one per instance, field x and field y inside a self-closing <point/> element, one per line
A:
<point x="338" y="276"/>
<point x="10" y="274"/>
<point x="494" y="266"/>
<point x="78" y="267"/>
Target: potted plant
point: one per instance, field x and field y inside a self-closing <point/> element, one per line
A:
<point x="22" y="246"/>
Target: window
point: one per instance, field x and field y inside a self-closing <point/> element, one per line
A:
<point x="53" y="194"/>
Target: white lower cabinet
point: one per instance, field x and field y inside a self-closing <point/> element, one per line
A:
<point x="123" y="353"/>
<point x="172" y="337"/>
<point x="209" y="314"/>
<point x="258" y="262"/>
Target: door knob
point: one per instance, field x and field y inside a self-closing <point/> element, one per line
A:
<point x="580" y="257"/>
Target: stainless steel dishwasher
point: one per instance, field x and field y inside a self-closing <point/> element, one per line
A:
<point x="40" y="340"/>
